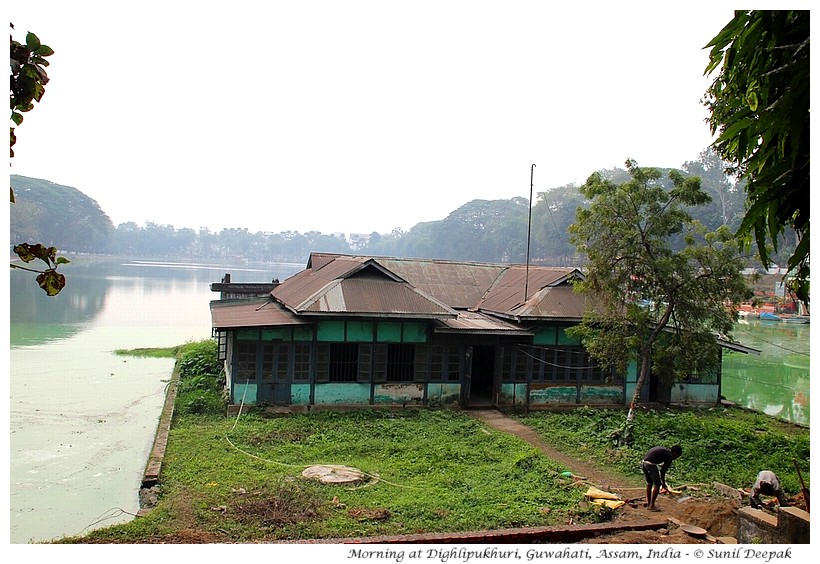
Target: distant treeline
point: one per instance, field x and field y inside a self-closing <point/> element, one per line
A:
<point x="480" y="230"/>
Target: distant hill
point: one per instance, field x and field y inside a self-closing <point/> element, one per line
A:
<point x="57" y="215"/>
<point x="479" y="230"/>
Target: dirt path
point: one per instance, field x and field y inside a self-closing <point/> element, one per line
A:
<point x="718" y="515"/>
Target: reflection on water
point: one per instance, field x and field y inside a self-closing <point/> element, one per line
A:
<point x="777" y="381"/>
<point x="37" y="318"/>
<point x="82" y="420"/>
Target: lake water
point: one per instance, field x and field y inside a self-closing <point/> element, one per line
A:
<point x="775" y="382"/>
<point x="82" y="420"/>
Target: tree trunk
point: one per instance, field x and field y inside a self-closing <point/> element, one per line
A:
<point x="646" y="362"/>
<point x="643" y="373"/>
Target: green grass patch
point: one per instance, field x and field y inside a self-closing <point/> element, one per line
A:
<point x="159" y="352"/>
<point x="726" y="445"/>
<point x="426" y="471"/>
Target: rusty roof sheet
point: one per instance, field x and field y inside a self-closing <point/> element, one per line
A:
<point x="374" y="295"/>
<point x="458" y="284"/>
<point x="348" y="284"/>
<point x="507" y="294"/>
<point x="468" y="321"/>
<point x="250" y="313"/>
<point x="316" y="276"/>
<point x="559" y="302"/>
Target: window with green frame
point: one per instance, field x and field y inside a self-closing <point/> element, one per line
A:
<point x="514" y="364"/>
<point x="301" y="362"/>
<point x="245" y="362"/>
<point x="444" y="363"/>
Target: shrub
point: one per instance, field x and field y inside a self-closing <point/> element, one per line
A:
<point x="201" y="379"/>
<point x="201" y="402"/>
<point x="199" y="359"/>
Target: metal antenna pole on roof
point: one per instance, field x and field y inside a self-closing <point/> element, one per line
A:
<point x="529" y="230"/>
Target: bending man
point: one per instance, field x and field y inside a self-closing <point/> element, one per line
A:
<point x="655" y="464"/>
<point x="767" y="483"/>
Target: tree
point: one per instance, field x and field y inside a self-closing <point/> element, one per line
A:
<point x="759" y="104"/>
<point x="727" y="197"/>
<point x="28" y="84"/>
<point x="552" y="214"/>
<point x="643" y="292"/>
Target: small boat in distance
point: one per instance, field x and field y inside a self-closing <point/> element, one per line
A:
<point x="784" y="317"/>
<point x="769" y="316"/>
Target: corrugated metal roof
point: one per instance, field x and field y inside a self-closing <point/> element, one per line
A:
<point x="507" y="295"/>
<point x="308" y="282"/>
<point x="468" y="321"/>
<point x="250" y="313"/>
<point x="559" y="302"/>
<point x="374" y="295"/>
<point x="346" y="284"/>
<point x="459" y="285"/>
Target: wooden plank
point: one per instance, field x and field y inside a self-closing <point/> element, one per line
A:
<point x="727" y="490"/>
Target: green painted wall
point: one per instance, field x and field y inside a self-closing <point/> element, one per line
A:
<point x="414" y="332"/>
<point x="700" y="394"/>
<point x="369" y="331"/>
<point x="360" y="331"/>
<point x="553" y="336"/>
<point x="300" y="394"/>
<point x="513" y="394"/>
<point x="545" y="336"/>
<point x="330" y="331"/>
<point x="630" y="380"/>
<point x="602" y="395"/>
<point x="443" y="394"/>
<point x="277" y="334"/>
<point x="246" y="391"/>
<point x="348" y="393"/>
<point x="388" y="332"/>
<point x="395" y="394"/>
<point x="553" y="395"/>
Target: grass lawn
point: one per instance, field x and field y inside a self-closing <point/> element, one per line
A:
<point x="426" y="470"/>
<point x="727" y="445"/>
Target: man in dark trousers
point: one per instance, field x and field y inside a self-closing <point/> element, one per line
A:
<point x="655" y="464"/>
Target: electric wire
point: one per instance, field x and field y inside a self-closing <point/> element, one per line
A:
<point x="758" y="382"/>
<point x="105" y="517"/>
<point x="772" y="343"/>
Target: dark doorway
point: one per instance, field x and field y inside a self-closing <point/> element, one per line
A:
<point x="481" y="388"/>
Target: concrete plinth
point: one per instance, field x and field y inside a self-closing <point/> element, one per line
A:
<point x="789" y="526"/>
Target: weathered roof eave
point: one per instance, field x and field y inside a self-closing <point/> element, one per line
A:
<point x="516" y="333"/>
<point x="737" y="347"/>
<point x="528" y="318"/>
<point x="381" y="315"/>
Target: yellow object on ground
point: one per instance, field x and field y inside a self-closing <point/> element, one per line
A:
<point x="672" y="491"/>
<point x="611" y="503"/>
<point x="600" y="497"/>
<point x="595" y="493"/>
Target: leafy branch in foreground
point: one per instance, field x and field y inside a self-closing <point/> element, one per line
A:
<point x="759" y="104"/>
<point x="27" y="84"/>
<point x="49" y="279"/>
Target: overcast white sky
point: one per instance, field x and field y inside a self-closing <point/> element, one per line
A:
<point x="355" y="116"/>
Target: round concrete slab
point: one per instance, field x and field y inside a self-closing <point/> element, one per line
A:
<point x="334" y="474"/>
